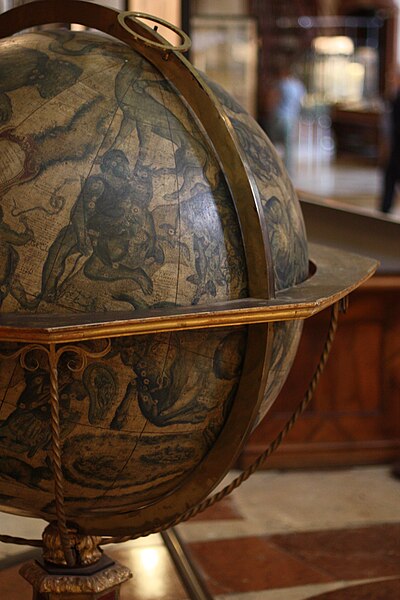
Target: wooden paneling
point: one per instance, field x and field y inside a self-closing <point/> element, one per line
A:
<point x="355" y="415"/>
<point x="359" y="133"/>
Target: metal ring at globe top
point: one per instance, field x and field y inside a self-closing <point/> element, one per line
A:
<point x="134" y="15"/>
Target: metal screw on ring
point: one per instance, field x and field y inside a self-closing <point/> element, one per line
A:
<point x="186" y="42"/>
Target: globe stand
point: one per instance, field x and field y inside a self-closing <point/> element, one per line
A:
<point x="95" y="577"/>
<point x="332" y="277"/>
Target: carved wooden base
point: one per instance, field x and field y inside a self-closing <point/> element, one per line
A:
<point x="76" y="584"/>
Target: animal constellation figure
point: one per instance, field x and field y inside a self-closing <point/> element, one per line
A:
<point x="55" y="144"/>
<point x="15" y="469"/>
<point x="35" y="69"/>
<point x="260" y="154"/>
<point x="167" y="391"/>
<point x="101" y="384"/>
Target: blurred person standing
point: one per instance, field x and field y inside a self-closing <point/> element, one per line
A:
<point x="288" y="94"/>
<point x="392" y="169"/>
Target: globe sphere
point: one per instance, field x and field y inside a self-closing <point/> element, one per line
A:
<point x="112" y="199"/>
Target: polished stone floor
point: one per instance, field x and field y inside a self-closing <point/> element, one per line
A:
<point x="326" y="535"/>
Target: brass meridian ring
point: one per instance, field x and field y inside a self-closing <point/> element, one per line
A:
<point x="134" y="15"/>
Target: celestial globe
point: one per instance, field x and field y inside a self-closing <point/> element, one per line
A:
<point x="154" y="278"/>
<point x="113" y="199"/>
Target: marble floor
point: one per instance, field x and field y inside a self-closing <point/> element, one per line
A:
<point x="326" y="535"/>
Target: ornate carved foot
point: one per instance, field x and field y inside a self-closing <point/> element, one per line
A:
<point x="95" y="576"/>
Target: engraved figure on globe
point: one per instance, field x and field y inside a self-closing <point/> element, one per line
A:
<point x="107" y="226"/>
<point x="36" y="69"/>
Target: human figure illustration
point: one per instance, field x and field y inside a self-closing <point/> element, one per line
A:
<point x="26" y="429"/>
<point x="9" y="257"/>
<point x="111" y="225"/>
<point x="121" y="228"/>
<point x="137" y="92"/>
<point x="74" y="239"/>
<point x="137" y="95"/>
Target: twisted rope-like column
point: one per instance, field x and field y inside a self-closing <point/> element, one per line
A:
<point x="53" y="358"/>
